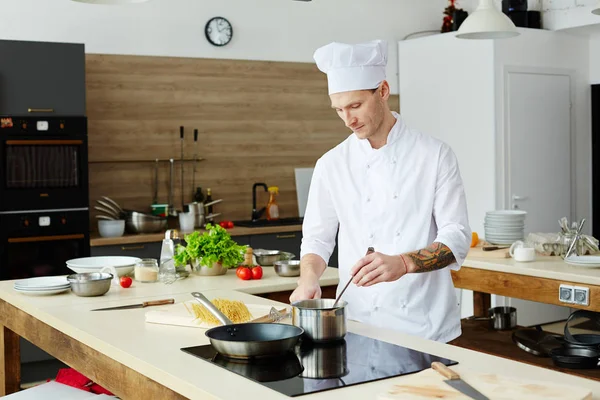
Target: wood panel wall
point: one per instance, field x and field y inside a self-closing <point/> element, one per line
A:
<point x="257" y="121"/>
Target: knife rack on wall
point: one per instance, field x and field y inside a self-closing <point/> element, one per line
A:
<point x="257" y="121"/>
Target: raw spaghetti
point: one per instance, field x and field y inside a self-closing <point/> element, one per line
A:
<point x="236" y="311"/>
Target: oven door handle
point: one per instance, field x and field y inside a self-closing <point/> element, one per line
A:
<point x="46" y="238"/>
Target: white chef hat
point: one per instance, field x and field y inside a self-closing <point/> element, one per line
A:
<point x="353" y="66"/>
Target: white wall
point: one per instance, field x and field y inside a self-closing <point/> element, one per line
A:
<point x="280" y="30"/>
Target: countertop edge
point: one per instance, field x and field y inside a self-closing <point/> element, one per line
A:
<point x="96" y="240"/>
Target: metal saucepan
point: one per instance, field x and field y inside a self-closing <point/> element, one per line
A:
<point x="320" y="320"/>
<point x="250" y="339"/>
<point x="501" y="318"/>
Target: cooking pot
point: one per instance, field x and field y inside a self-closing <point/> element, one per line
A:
<point x="321" y="321"/>
<point x="501" y="318"/>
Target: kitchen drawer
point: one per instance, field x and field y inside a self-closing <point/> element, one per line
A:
<point x="140" y="250"/>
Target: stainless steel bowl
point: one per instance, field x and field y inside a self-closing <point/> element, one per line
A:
<point x="137" y="222"/>
<point x="287" y="267"/>
<point x="266" y="257"/>
<point x="90" y="284"/>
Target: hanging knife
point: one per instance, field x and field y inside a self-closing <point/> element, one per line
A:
<point x="141" y="305"/>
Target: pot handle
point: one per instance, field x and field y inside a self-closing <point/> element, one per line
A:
<point x="581" y="314"/>
<point x="211" y="307"/>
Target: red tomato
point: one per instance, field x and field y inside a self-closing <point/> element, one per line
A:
<point x="223" y="224"/>
<point x="244" y="273"/>
<point x="257" y="272"/>
<point x="229" y="224"/>
<point x="125" y="281"/>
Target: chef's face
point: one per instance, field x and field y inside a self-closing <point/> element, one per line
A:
<point x="363" y="111"/>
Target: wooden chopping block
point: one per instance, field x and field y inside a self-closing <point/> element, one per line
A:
<point x="478" y="252"/>
<point x="429" y="384"/>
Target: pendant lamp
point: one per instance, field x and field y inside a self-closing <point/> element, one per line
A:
<point x="487" y="22"/>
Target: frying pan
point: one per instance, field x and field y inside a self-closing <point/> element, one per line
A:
<point x="249" y="340"/>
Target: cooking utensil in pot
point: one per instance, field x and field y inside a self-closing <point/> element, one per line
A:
<point x="250" y="339"/>
<point x="369" y="251"/>
<point x="501" y="318"/>
<point x="114" y="203"/>
<point x="108" y="212"/>
<point x="320" y="319"/>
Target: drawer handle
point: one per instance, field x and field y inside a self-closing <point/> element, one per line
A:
<point x="125" y="248"/>
<point x="44" y="110"/>
<point x="293" y="235"/>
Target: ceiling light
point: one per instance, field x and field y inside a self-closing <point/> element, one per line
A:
<point x="487" y="22"/>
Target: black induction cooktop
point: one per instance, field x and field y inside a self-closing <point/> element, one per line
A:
<point x="314" y="368"/>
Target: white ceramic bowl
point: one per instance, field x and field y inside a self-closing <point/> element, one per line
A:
<point x="112" y="228"/>
<point x="122" y="264"/>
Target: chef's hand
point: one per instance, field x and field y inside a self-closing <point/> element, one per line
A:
<point x="377" y="267"/>
<point x="306" y="290"/>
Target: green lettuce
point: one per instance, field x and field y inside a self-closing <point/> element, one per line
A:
<point x="214" y="245"/>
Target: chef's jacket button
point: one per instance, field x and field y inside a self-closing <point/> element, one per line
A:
<point x="397" y="233"/>
<point x="368" y="166"/>
<point x="393" y="161"/>
<point x="403" y="305"/>
<point x="368" y="199"/>
<point x="370" y="236"/>
<point x="395" y="195"/>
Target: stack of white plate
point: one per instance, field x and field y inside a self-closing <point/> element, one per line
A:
<point x="504" y="226"/>
<point x="584" y="261"/>
<point x="43" y="285"/>
<point x="122" y="264"/>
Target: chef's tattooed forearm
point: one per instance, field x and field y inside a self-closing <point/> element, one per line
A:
<point x="431" y="258"/>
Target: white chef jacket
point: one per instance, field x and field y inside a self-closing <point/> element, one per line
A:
<point x="397" y="199"/>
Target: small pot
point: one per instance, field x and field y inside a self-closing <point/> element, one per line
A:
<point x="202" y="270"/>
<point x="501" y="318"/>
<point x="320" y="320"/>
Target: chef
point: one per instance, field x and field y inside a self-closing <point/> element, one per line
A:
<point x="389" y="187"/>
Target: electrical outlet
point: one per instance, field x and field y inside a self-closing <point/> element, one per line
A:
<point x="566" y="294"/>
<point x="581" y="296"/>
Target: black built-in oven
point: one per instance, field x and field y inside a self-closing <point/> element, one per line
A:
<point x="44" y="163"/>
<point x="38" y="243"/>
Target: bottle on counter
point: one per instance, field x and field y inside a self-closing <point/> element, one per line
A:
<point x="208" y="200"/>
<point x="272" y="207"/>
<point x="167" y="272"/>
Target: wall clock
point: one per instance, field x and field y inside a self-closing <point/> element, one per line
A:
<point x="218" y="31"/>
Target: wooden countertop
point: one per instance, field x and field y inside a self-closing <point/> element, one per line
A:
<point x="154" y="350"/>
<point x="96" y="240"/>
<point x="544" y="267"/>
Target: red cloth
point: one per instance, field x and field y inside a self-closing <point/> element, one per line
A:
<point x="69" y="376"/>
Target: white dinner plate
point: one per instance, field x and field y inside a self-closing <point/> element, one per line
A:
<point x="103" y="261"/>
<point x="42" y="282"/>
<point x="584" y="259"/>
<point x="42" y="292"/>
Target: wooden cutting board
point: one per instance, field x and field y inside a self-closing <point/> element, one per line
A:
<point x="429" y="384"/>
<point x="478" y="252"/>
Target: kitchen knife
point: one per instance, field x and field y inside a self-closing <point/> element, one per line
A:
<point x="141" y="305"/>
<point x="457" y="383"/>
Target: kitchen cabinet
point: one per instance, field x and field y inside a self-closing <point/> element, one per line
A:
<point x="42" y="78"/>
<point x="243" y="240"/>
<point x="140" y="250"/>
<point x="511" y="110"/>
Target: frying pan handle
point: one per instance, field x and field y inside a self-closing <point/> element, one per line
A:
<point x="211" y="307"/>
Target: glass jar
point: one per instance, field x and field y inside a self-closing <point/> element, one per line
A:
<point x="146" y="270"/>
<point x="567" y="239"/>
